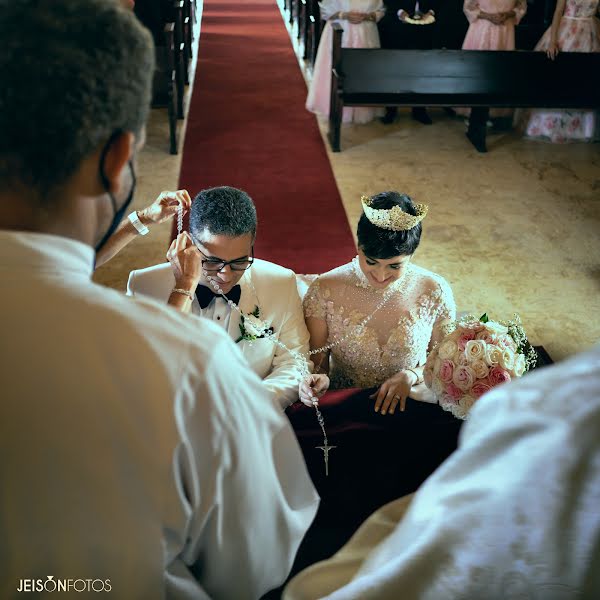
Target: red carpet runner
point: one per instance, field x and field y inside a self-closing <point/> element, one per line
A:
<point x="248" y="128"/>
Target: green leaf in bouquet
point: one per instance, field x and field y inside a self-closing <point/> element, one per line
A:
<point x="484" y="318"/>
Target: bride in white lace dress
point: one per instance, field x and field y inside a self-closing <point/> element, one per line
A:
<point x="409" y="308"/>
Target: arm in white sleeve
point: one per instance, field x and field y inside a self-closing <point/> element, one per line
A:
<point x="284" y="378"/>
<point x="328" y="8"/>
<point x="243" y="482"/>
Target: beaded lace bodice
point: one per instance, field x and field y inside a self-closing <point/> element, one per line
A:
<point x="399" y="334"/>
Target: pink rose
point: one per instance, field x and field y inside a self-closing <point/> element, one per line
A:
<point x="498" y="375"/>
<point x="472" y="326"/>
<point x="485" y="336"/>
<point x="454" y="393"/>
<point x="465" y="337"/>
<point x="481" y="387"/>
<point x="508" y="342"/>
<point x="463" y="378"/>
<point x="446" y="371"/>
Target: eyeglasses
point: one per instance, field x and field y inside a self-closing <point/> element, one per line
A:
<point x="214" y="265"/>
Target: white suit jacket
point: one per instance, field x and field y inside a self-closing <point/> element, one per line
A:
<point x="273" y="289"/>
<point x="129" y="452"/>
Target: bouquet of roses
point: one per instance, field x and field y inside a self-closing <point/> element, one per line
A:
<point x="476" y="356"/>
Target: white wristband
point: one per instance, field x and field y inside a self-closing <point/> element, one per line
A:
<point x="135" y="221"/>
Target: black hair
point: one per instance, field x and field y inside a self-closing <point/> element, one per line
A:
<point x="223" y="210"/>
<point x="73" y="73"/>
<point x="377" y="242"/>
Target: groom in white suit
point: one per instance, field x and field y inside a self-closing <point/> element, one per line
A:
<point x="220" y="244"/>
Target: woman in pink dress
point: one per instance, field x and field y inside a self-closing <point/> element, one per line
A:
<point x="574" y="29"/>
<point x="492" y="27"/>
<point x="359" y="19"/>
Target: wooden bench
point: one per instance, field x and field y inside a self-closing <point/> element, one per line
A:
<point x="476" y="79"/>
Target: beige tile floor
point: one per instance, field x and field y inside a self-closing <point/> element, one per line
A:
<point x="516" y="229"/>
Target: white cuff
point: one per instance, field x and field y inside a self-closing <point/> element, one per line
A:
<point x="135" y="221"/>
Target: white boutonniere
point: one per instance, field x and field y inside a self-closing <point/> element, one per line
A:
<point x="252" y="327"/>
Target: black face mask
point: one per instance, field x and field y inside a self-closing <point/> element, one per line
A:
<point x="118" y="213"/>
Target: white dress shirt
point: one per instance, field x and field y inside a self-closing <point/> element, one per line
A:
<point x="513" y="513"/>
<point x="217" y="311"/>
<point x="137" y="446"/>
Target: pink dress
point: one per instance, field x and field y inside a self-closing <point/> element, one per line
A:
<point x="363" y="35"/>
<point x="484" y="35"/>
<point x="579" y="31"/>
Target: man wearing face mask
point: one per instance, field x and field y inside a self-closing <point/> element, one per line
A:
<point x="132" y="463"/>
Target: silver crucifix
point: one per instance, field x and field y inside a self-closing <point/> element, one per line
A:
<point x="326" y="448"/>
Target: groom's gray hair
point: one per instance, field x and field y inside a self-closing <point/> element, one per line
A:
<point x="223" y="210"/>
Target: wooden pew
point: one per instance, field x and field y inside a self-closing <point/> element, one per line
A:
<point x="164" y="91"/>
<point x="313" y="26"/>
<point x="166" y="20"/>
<point x="476" y="79"/>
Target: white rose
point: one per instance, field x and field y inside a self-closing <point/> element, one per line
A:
<point x="254" y="326"/>
<point x="519" y="367"/>
<point x="492" y="355"/>
<point x="447" y="349"/>
<point x="475" y="350"/>
<point x="480" y="369"/>
<point x="510" y="343"/>
<point x="495" y="328"/>
<point x="507" y="359"/>
<point x="436" y="366"/>
<point x="437" y="388"/>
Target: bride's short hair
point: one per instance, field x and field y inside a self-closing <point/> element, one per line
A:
<point x="384" y="243"/>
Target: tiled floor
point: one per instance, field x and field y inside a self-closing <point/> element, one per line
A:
<point x="516" y="229"/>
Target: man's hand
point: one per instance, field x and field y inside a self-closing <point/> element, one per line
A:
<point x="394" y="391"/>
<point x="312" y="388"/>
<point x="165" y="207"/>
<point x="186" y="262"/>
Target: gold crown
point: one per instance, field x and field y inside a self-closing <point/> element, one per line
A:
<point x="393" y="218"/>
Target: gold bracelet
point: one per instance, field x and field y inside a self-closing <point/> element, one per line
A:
<point x="183" y="292"/>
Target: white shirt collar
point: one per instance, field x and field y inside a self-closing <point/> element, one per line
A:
<point x="45" y="253"/>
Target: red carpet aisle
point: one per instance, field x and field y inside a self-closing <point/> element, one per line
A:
<point x="247" y="127"/>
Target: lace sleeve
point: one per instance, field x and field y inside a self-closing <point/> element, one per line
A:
<point x="328" y="8"/>
<point x="471" y="10"/>
<point x="445" y="314"/>
<point x="520" y="10"/>
<point x="314" y="302"/>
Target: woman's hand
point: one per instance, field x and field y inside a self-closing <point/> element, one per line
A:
<point x="553" y="50"/>
<point x="312" y="388"/>
<point x="165" y="207"/>
<point x="495" y="18"/>
<point x="356" y="17"/>
<point x="394" y="391"/>
<point x="186" y="262"/>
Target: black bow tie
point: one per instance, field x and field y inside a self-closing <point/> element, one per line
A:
<point x="205" y="295"/>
